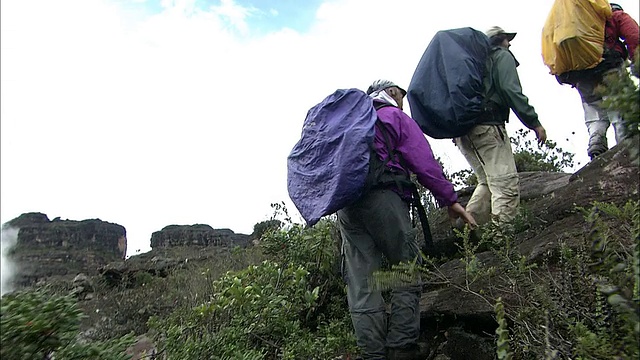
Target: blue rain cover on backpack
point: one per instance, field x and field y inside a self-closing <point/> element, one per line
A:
<point x="328" y="166"/>
<point x="446" y="91"/>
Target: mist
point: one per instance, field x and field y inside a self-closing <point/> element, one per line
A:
<point x="8" y="239"/>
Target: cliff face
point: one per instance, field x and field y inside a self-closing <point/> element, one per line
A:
<point x="196" y="235"/>
<point x="47" y="248"/>
<point x="63" y="248"/>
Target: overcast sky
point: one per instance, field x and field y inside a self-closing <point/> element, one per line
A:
<point x="152" y="113"/>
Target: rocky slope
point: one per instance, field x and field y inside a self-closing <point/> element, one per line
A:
<point x="460" y="316"/>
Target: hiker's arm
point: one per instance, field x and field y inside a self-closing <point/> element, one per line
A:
<point x="417" y="155"/>
<point x="508" y="85"/>
<point x="628" y="29"/>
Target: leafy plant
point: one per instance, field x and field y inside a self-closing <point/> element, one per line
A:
<point x="502" y="342"/>
<point x="263" y="227"/>
<point x="255" y="313"/>
<point x="579" y="302"/>
<point x="37" y="324"/>
<point x="622" y="94"/>
<point x="463" y="178"/>
<point x="529" y="157"/>
<point x="587" y="294"/>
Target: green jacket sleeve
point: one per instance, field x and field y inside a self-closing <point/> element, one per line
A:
<point x="509" y="89"/>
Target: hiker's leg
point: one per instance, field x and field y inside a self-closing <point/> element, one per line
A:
<point x="494" y="147"/>
<point x="597" y="124"/>
<point x="619" y="127"/>
<point x="391" y="229"/>
<point x="479" y="204"/>
<point x="361" y="259"/>
<point x="595" y="118"/>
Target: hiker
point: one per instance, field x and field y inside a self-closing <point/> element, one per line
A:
<point x="615" y="53"/>
<point x="378" y="224"/>
<point x="486" y="146"/>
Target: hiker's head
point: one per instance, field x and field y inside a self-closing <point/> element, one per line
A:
<point x="615" y="7"/>
<point x="498" y="37"/>
<point x="390" y="88"/>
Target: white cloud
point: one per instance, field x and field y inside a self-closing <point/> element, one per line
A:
<point x="235" y="14"/>
<point x="176" y="118"/>
<point x="8" y="239"/>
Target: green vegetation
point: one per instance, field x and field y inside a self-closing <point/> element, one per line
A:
<point x="37" y="324"/>
<point x="528" y="157"/>
<point x="186" y="285"/>
<point x="255" y="313"/>
<point x="578" y="302"/>
<point x="503" y="350"/>
<point x="623" y="95"/>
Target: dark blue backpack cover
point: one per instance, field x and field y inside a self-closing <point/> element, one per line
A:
<point x="446" y="91"/>
<point x="328" y="167"/>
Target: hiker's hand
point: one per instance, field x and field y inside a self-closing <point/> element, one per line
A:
<point x="541" y="135"/>
<point x="457" y="211"/>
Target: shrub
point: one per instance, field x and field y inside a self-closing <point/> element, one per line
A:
<point x="37" y="324"/>
<point x="263" y="227"/>
<point x="578" y="302"/>
<point x="529" y="157"/>
<point x="623" y="95"/>
<point x="291" y="306"/>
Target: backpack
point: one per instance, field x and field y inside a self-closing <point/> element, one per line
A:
<point x="573" y="35"/>
<point x="327" y="168"/>
<point x="446" y="91"/>
<point x="334" y="163"/>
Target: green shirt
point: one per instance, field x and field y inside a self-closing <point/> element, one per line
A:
<point x="502" y="86"/>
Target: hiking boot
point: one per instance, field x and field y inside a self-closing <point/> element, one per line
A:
<point x="595" y="154"/>
<point x="409" y="352"/>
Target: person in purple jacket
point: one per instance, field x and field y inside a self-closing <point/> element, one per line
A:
<point x="378" y="224"/>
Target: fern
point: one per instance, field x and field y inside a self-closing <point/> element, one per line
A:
<point x="503" y="349"/>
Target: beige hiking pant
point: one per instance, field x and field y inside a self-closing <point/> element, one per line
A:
<point x="487" y="148"/>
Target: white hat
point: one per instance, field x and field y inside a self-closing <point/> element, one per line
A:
<point x="382" y="84"/>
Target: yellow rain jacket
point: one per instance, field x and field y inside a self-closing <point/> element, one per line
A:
<point x="573" y="35"/>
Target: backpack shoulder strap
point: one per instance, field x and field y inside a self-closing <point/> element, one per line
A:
<point x="379" y="105"/>
<point x="392" y="153"/>
<point x="401" y="181"/>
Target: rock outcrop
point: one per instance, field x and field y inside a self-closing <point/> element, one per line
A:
<point x="459" y="313"/>
<point x="197" y="235"/>
<point x="46" y="249"/>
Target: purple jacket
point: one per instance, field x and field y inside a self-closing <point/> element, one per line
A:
<point x="406" y="137"/>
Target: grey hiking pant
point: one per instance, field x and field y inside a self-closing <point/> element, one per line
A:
<point x="378" y="224"/>
<point x="596" y="118"/>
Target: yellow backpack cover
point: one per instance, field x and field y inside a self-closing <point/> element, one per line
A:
<point x="573" y="35"/>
